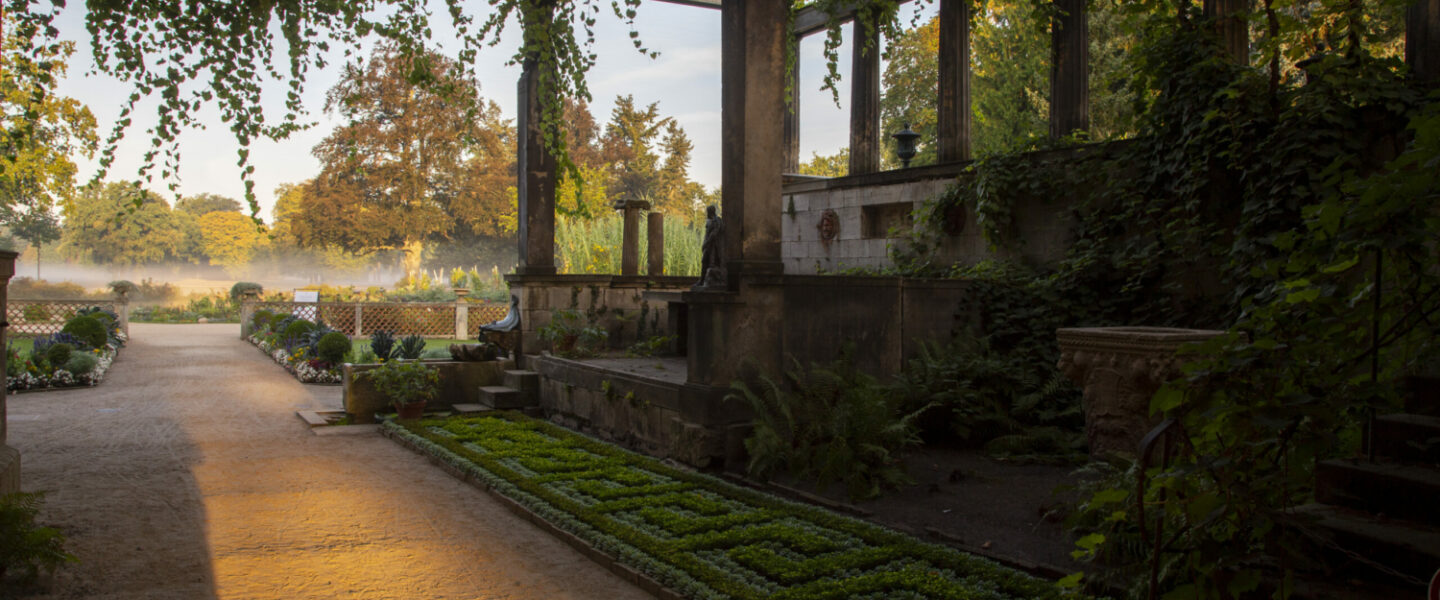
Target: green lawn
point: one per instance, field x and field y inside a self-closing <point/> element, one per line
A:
<point x="23" y="344"/>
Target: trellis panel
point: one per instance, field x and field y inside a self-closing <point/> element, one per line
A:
<point x="44" y="317"/>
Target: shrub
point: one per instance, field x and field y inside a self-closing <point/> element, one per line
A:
<point x="831" y="424"/>
<point x="297" y="328"/>
<point x="404" y="382"/>
<point x="59" y="354"/>
<point x="106" y="317"/>
<point x="25" y="546"/>
<point x="383" y="344"/>
<point x="333" y="347"/>
<point x="262" y="318"/>
<point x="411" y="347"/>
<point x="89" y="330"/>
<point x="238" y="290"/>
<point x="80" y="363"/>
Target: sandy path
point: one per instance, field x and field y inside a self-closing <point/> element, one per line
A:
<point x="187" y="475"/>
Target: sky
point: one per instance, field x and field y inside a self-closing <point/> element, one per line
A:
<point x="684" y="79"/>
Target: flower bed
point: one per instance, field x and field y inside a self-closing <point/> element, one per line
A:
<point x="696" y="535"/>
<point x="306" y="370"/>
<point x="32" y="373"/>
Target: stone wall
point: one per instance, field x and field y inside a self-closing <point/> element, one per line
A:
<point x="695" y="425"/>
<point x="862" y="210"/>
<point x="617" y="300"/>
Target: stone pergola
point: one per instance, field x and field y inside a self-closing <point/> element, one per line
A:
<point x="740" y="323"/>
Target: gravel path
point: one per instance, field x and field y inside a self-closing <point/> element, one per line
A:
<point x="186" y="474"/>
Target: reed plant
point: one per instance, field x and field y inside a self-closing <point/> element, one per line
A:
<point x="592" y="246"/>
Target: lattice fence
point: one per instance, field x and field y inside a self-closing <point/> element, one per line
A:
<point x="360" y="319"/>
<point x="43" y="317"/>
<point x="481" y="314"/>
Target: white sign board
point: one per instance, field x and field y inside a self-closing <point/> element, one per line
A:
<point x="307" y="296"/>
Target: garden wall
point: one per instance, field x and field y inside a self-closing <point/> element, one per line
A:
<point x="615" y="301"/>
<point x="838" y="223"/>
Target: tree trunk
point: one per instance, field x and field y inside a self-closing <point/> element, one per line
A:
<point x="414" y="249"/>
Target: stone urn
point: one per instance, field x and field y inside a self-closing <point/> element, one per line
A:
<point x="1120" y="369"/>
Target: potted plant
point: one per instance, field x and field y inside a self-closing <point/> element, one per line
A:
<point x="409" y="384"/>
<point x="570" y="334"/>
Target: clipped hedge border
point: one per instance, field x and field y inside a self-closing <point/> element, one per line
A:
<point x="664" y="569"/>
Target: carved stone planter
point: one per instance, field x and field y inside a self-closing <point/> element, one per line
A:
<point x="1120" y="368"/>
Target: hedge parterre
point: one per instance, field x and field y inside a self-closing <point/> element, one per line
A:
<point x="697" y="535"/>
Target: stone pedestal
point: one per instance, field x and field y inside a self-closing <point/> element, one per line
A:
<point x="630" y="240"/>
<point x="655" y="244"/>
<point x="9" y="457"/>
<point x="1120" y="368"/>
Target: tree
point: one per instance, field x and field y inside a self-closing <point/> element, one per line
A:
<point x="392" y="174"/>
<point x="42" y="130"/>
<point x="36" y="226"/>
<point x="834" y="165"/>
<point x="201" y="204"/>
<point x="910" y="81"/>
<point x="639" y="172"/>
<point x="230" y="238"/>
<point x="104" y="225"/>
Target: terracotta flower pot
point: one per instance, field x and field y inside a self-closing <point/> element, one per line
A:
<point x="413" y="410"/>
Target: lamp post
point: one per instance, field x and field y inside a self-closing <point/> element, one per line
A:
<point x="905" y="145"/>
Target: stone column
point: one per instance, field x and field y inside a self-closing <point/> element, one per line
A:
<point x="359" y="318"/>
<point x="1069" y="69"/>
<point x="462" y="314"/>
<point x="791" y="162"/>
<point x="1120" y="369"/>
<point x="953" y="111"/>
<point x="9" y="457"/>
<point x="1231" y="27"/>
<point x="1422" y="40"/>
<point x="630" y="238"/>
<point x="864" y="98"/>
<point x="122" y="309"/>
<point x="536" y="176"/>
<point x="754" y="34"/>
<point x="655" y="244"/>
<point x="247" y="312"/>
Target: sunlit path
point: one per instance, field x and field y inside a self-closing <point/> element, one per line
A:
<point x="187" y="475"/>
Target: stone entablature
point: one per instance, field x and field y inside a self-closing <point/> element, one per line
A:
<point x="1120" y="369"/>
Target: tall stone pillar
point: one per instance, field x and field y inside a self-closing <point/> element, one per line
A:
<point x="1069" y="69"/>
<point x="754" y="35"/>
<point x="9" y="457"/>
<point x="953" y="111"/>
<point x="655" y="244"/>
<point x="1422" y="40"/>
<point x="630" y="237"/>
<point x="791" y="161"/>
<point x="865" y="99"/>
<point x="536" y="178"/>
<point x="1231" y="27"/>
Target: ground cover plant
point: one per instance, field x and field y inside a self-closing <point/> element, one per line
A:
<point x="695" y="534"/>
<point x="79" y="355"/>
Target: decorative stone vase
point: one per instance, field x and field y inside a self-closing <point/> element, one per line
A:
<point x="1120" y="368"/>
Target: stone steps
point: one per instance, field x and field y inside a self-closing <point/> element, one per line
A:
<point x="1395" y="491"/>
<point x="1408" y="438"/>
<point x="1405" y="546"/>
<point x="499" y="397"/>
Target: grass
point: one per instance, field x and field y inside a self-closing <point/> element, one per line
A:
<point x="697" y="535"/>
<point x="23" y="344"/>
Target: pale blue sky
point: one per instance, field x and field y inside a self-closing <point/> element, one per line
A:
<point x="685" y="80"/>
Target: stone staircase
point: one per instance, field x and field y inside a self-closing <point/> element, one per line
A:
<point x="520" y="390"/>
<point x="1379" y="520"/>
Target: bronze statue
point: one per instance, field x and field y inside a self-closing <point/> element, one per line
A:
<point x="712" y="253"/>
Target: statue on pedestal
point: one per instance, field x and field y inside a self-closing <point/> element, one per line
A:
<point x="712" y="253"/>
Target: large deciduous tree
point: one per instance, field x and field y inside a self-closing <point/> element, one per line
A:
<point x="406" y="159"/>
<point x="104" y="225"/>
<point x="229" y="238"/>
<point x="42" y="131"/>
